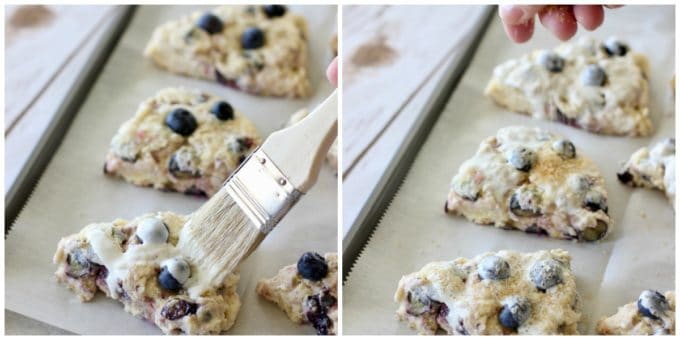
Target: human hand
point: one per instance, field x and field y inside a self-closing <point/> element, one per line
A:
<point x="561" y="20"/>
<point x="332" y="72"/>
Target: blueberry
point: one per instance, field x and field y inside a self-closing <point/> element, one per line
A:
<point x="468" y="189"/>
<point x="593" y="75"/>
<point x="526" y="202"/>
<point x="652" y="304"/>
<point x="552" y="61"/>
<point x="516" y="310"/>
<point x="174" y="274"/>
<point x="522" y="158"/>
<point x="252" y="38"/>
<point x="210" y="23"/>
<point x="181" y="121"/>
<point x="625" y="177"/>
<point x="152" y="230"/>
<point x="178" y="308"/>
<point x="316" y="309"/>
<point x="78" y="264"/>
<point x="223" y="110"/>
<point x="182" y="164"/>
<point x="312" y="266"/>
<point x="614" y="47"/>
<point x="419" y="302"/>
<point x="564" y="148"/>
<point x="546" y="274"/>
<point x="595" y="201"/>
<point x="273" y="11"/>
<point x="493" y="268"/>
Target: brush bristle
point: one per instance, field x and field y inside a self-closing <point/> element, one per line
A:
<point x="219" y="236"/>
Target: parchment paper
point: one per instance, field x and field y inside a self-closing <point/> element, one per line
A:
<point x="638" y="254"/>
<point x="73" y="191"/>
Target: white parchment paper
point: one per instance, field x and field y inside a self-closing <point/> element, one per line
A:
<point x="74" y="192"/>
<point x="639" y="252"/>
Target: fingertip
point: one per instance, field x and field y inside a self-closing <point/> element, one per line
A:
<point x="589" y="16"/>
<point x="520" y="33"/>
<point x="332" y="72"/>
<point x="560" y="21"/>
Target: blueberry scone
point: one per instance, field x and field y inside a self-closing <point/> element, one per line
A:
<point x="532" y="180"/>
<point x="181" y="140"/>
<point x="597" y="86"/>
<point x="137" y="263"/>
<point x="256" y="49"/>
<point x="652" y="314"/>
<point x="652" y="168"/>
<point x="506" y="292"/>
<point x="332" y="155"/>
<point x="307" y="291"/>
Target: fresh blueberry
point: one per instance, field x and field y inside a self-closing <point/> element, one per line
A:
<point x="552" y="61"/>
<point x="468" y="189"/>
<point x="181" y="121"/>
<point x="593" y="75"/>
<point x="316" y="308"/>
<point x="493" y="268"/>
<point x="152" y="230"/>
<point x="652" y="304"/>
<point x="223" y="110"/>
<point x="167" y="281"/>
<point x="252" y="38"/>
<point x="516" y="310"/>
<point x="595" y="201"/>
<point x="525" y="202"/>
<point x="312" y="266"/>
<point x="564" y="148"/>
<point x="178" y="308"/>
<point x="174" y="273"/>
<point x="614" y="47"/>
<point x="546" y="274"/>
<point x="522" y="158"/>
<point x="210" y="23"/>
<point x="625" y="177"/>
<point x="273" y="11"/>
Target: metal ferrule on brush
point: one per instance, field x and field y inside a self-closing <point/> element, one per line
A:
<point x="262" y="191"/>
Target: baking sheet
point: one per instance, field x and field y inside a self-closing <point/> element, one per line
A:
<point x="639" y="252"/>
<point x="73" y="191"/>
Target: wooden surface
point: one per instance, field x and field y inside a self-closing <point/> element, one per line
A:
<point x="393" y="57"/>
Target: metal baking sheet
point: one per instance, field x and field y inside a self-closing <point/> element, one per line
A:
<point x="73" y="191"/>
<point x="414" y="230"/>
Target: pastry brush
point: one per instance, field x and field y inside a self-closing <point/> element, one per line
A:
<point x="233" y="222"/>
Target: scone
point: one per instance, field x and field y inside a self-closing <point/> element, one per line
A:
<point x="597" y="86"/>
<point x="652" y="168"/>
<point x="136" y="262"/>
<point x="257" y="49"/>
<point x="181" y="140"/>
<point x="493" y="294"/>
<point x="535" y="181"/>
<point x="307" y="291"/>
<point x="652" y="314"/>
<point x="332" y="155"/>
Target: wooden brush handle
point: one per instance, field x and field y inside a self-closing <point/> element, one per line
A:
<point x="299" y="150"/>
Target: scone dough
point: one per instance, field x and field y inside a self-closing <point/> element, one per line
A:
<point x="125" y="261"/>
<point x="147" y="152"/>
<point x="277" y="68"/>
<point x="564" y="85"/>
<point x="469" y="296"/>
<point x="652" y="168"/>
<point x="303" y="300"/>
<point x="535" y="181"/>
<point x="630" y="319"/>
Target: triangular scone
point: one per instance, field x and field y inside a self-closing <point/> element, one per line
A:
<point x="181" y="140"/>
<point x="532" y="180"/>
<point x="137" y="263"/>
<point x="307" y="291"/>
<point x="257" y="49"/>
<point x="598" y="87"/>
<point x="652" y="168"/>
<point x="652" y="314"/>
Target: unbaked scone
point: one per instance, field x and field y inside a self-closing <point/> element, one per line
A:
<point x="506" y="292"/>
<point x="652" y="168"/>
<point x="597" y="86"/>
<point x="535" y="181"/>
<point x="307" y="291"/>
<point x="181" y="140"/>
<point x="137" y="263"/>
<point x="652" y="314"/>
<point x="256" y="49"/>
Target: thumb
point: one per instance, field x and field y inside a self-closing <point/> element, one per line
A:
<point x="518" y="14"/>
